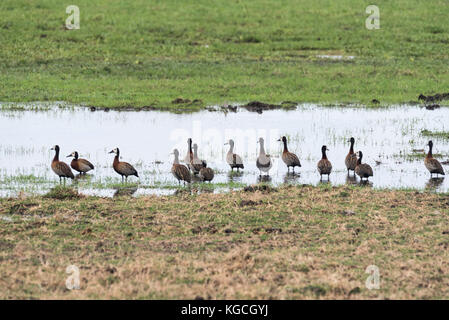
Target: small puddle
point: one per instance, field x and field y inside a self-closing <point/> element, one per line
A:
<point x="387" y="137"/>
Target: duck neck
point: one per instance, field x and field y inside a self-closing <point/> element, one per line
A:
<point x="116" y="158"/>
<point x="429" y="154"/>
<point x="359" y="161"/>
<point x="351" y="149"/>
<point x="262" y="149"/>
<point x="190" y="151"/>
<point x="323" y="152"/>
<point x="176" y="161"/>
<point x="56" y="157"/>
<point x="285" y="146"/>
<point x="231" y="148"/>
<point x="76" y="156"/>
<point x="195" y="152"/>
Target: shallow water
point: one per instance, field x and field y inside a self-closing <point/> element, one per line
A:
<point x="147" y="138"/>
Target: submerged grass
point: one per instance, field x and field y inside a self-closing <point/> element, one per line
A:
<point x="435" y="134"/>
<point x="149" y="53"/>
<point x="286" y="243"/>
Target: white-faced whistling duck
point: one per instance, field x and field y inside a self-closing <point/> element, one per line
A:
<point x="363" y="170"/>
<point x="351" y="157"/>
<point x="197" y="163"/>
<point x="80" y="165"/>
<point x="180" y="171"/>
<point x="122" y="168"/>
<point x="232" y="158"/>
<point x="189" y="155"/>
<point x="289" y="158"/>
<point x="432" y="164"/>
<point x="324" y="165"/>
<point x="206" y="174"/>
<point x="263" y="161"/>
<point x="60" y="168"/>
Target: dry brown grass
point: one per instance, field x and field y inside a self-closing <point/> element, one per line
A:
<point x="295" y="243"/>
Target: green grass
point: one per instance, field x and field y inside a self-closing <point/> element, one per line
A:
<point x="148" y="53"/>
<point x="435" y="134"/>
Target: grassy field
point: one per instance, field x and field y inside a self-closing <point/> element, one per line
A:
<point x="148" y="53"/>
<point x="286" y="243"/>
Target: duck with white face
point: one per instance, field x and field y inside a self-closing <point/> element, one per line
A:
<point x="122" y="168"/>
<point x="233" y="159"/>
<point x="180" y="171"/>
<point x="59" y="167"/>
<point x="432" y="164"/>
<point x="81" y="165"/>
<point x="324" y="166"/>
<point x="263" y="161"/>
<point x="289" y="158"/>
<point x="363" y="170"/>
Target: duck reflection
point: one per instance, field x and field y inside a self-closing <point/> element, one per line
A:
<point x="235" y="176"/>
<point x="291" y="177"/>
<point x="366" y="183"/>
<point x="124" y="192"/>
<point x="264" y="178"/>
<point x="351" y="179"/>
<point x="434" y="183"/>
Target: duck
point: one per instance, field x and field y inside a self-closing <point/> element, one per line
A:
<point x="233" y="159"/>
<point x="206" y="174"/>
<point x="263" y="161"/>
<point x="189" y="156"/>
<point x="363" y="170"/>
<point x="197" y="163"/>
<point x="180" y="171"/>
<point x="80" y="165"/>
<point x="289" y="158"/>
<point x="324" y="165"/>
<point x="62" y="169"/>
<point x="351" y="157"/>
<point x="432" y="164"/>
<point x="122" y="168"/>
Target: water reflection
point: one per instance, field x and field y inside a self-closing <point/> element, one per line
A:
<point x="264" y="178"/>
<point x="124" y="192"/>
<point x="291" y="177"/>
<point x="351" y="179"/>
<point x="386" y="135"/>
<point x="434" y="183"/>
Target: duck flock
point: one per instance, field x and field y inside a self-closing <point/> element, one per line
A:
<point x="198" y="167"/>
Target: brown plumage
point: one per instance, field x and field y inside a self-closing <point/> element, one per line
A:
<point x="324" y="165"/>
<point x="232" y="158"/>
<point x="122" y="168"/>
<point x="193" y="164"/>
<point x="206" y="174"/>
<point x="363" y="170"/>
<point x="289" y="158"/>
<point x="80" y="165"/>
<point x="432" y="164"/>
<point x="59" y="167"/>
<point x="351" y="158"/>
<point x="179" y="171"/>
<point x="196" y="163"/>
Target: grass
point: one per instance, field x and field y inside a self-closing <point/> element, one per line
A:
<point x="435" y="134"/>
<point x="148" y="53"/>
<point x="286" y="243"/>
